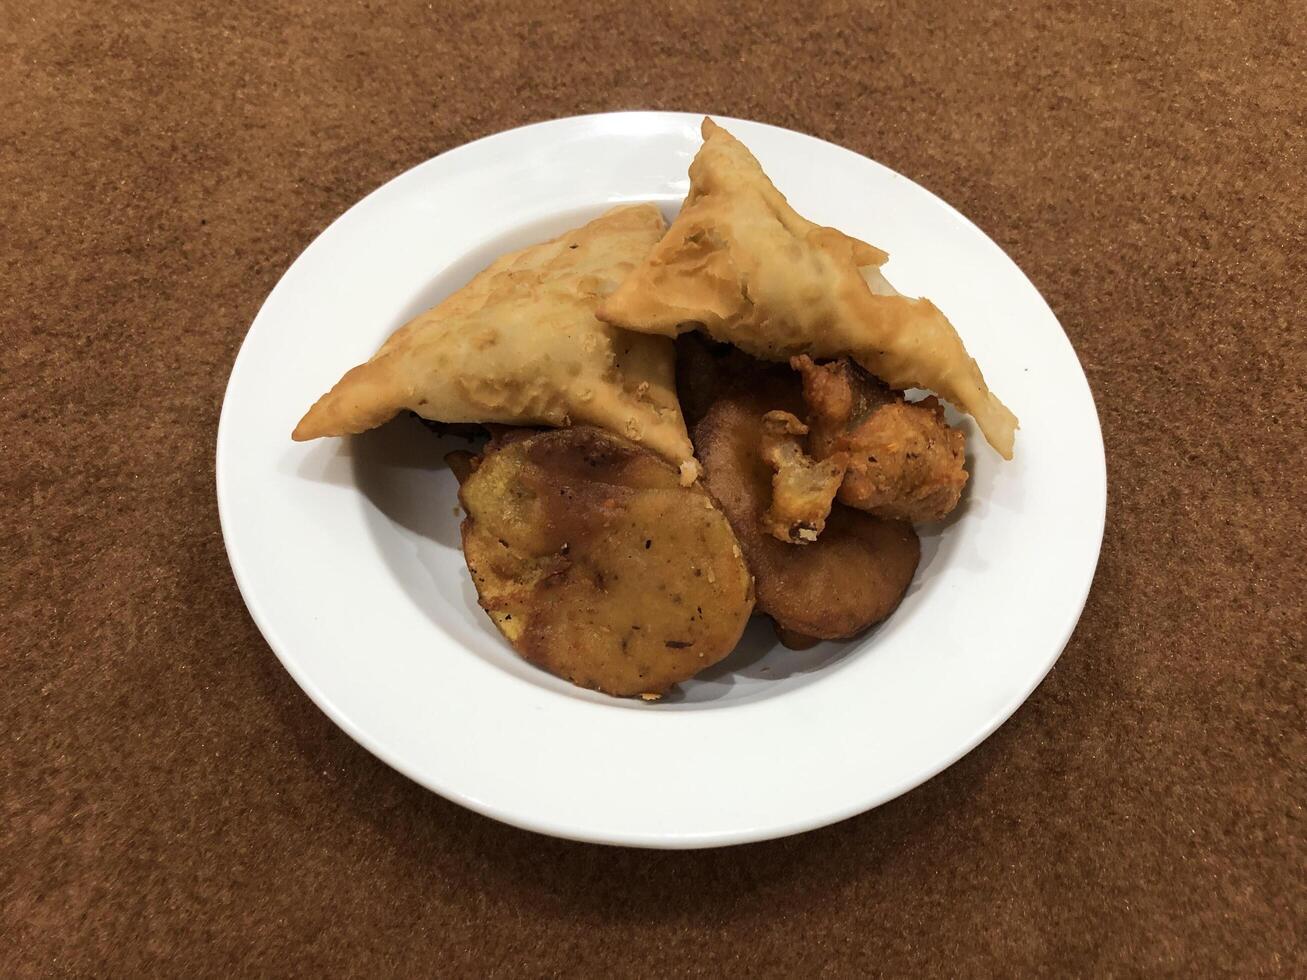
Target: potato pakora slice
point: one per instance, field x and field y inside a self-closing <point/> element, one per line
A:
<point x="598" y="565"/>
<point x="852" y="576"/>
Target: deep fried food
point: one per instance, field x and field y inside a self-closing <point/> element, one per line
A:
<point x="520" y="344"/>
<point x="852" y="576"/>
<point x="598" y="565"/>
<point x="803" y="488"/>
<point x="795" y="641"/>
<point x="743" y="265"/>
<point x="902" y="460"/>
<point x="707" y="369"/>
<point x="462" y="464"/>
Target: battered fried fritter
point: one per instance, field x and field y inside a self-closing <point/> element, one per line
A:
<point x="597" y="565"/>
<point x="903" y="461"/>
<point x="852" y="576"/>
<point x="795" y="641"/>
<point x="803" y="488"/>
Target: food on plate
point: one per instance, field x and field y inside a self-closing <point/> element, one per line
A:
<point x="899" y="459"/>
<point x="520" y="344"/>
<point x="707" y="369"/>
<point x="608" y="546"/>
<point x="700" y="374"/>
<point x="795" y="641"/>
<point x="741" y="264"/>
<point x="803" y="488"/>
<point x="852" y="576"/>
<point x="598" y="565"/>
<point x="462" y="463"/>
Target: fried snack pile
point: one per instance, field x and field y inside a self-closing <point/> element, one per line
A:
<point x="615" y="551"/>
<point x="852" y="576"/>
<point x="520" y="344"/>
<point x="899" y="459"/>
<point x="741" y="264"/>
<point x="598" y="565"/>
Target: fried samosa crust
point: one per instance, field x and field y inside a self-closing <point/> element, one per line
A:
<point x="520" y="344"/>
<point x="744" y="266"/>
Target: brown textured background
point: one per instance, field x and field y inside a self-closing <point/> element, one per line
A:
<point x="173" y="804"/>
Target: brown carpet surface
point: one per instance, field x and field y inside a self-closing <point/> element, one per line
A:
<point x="173" y="804"/>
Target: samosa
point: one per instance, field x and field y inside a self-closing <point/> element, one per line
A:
<point x="742" y="265"/>
<point x="520" y="345"/>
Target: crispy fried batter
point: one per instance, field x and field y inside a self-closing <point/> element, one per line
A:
<point x="597" y="565"/>
<point x="854" y="575"/>
<point x="903" y="460"/>
<point x="462" y="464"/>
<point x="803" y="489"/>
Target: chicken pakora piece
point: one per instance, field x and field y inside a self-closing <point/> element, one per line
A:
<point x="903" y="460"/>
<point x="852" y="576"/>
<point x="597" y="565"/>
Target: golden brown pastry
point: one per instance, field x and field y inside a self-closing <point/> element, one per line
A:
<point x="744" y="266"/>
<point x="899" y="459"/>
<point x="520" y="344"/>
<point x="598" y="565"/>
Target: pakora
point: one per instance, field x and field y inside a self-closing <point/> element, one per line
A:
<point x="852" y="576"/>
<point x="598" y="565"/>
<point x="803" y="488"/>
<point x="900" y="459"/>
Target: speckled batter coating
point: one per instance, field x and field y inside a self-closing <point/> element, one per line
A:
<point x="598" y="565"/>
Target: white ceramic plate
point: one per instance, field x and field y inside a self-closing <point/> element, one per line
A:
<point x="346" y="551"/>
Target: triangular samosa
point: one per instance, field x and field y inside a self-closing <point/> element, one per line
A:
<point x="741" y="264"/>
<point x="520" y="344"/>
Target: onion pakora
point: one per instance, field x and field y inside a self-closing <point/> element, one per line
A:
<point x="851" y="577"/>
<point x="901" y="459"/>
<point x="598" y="565"/>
